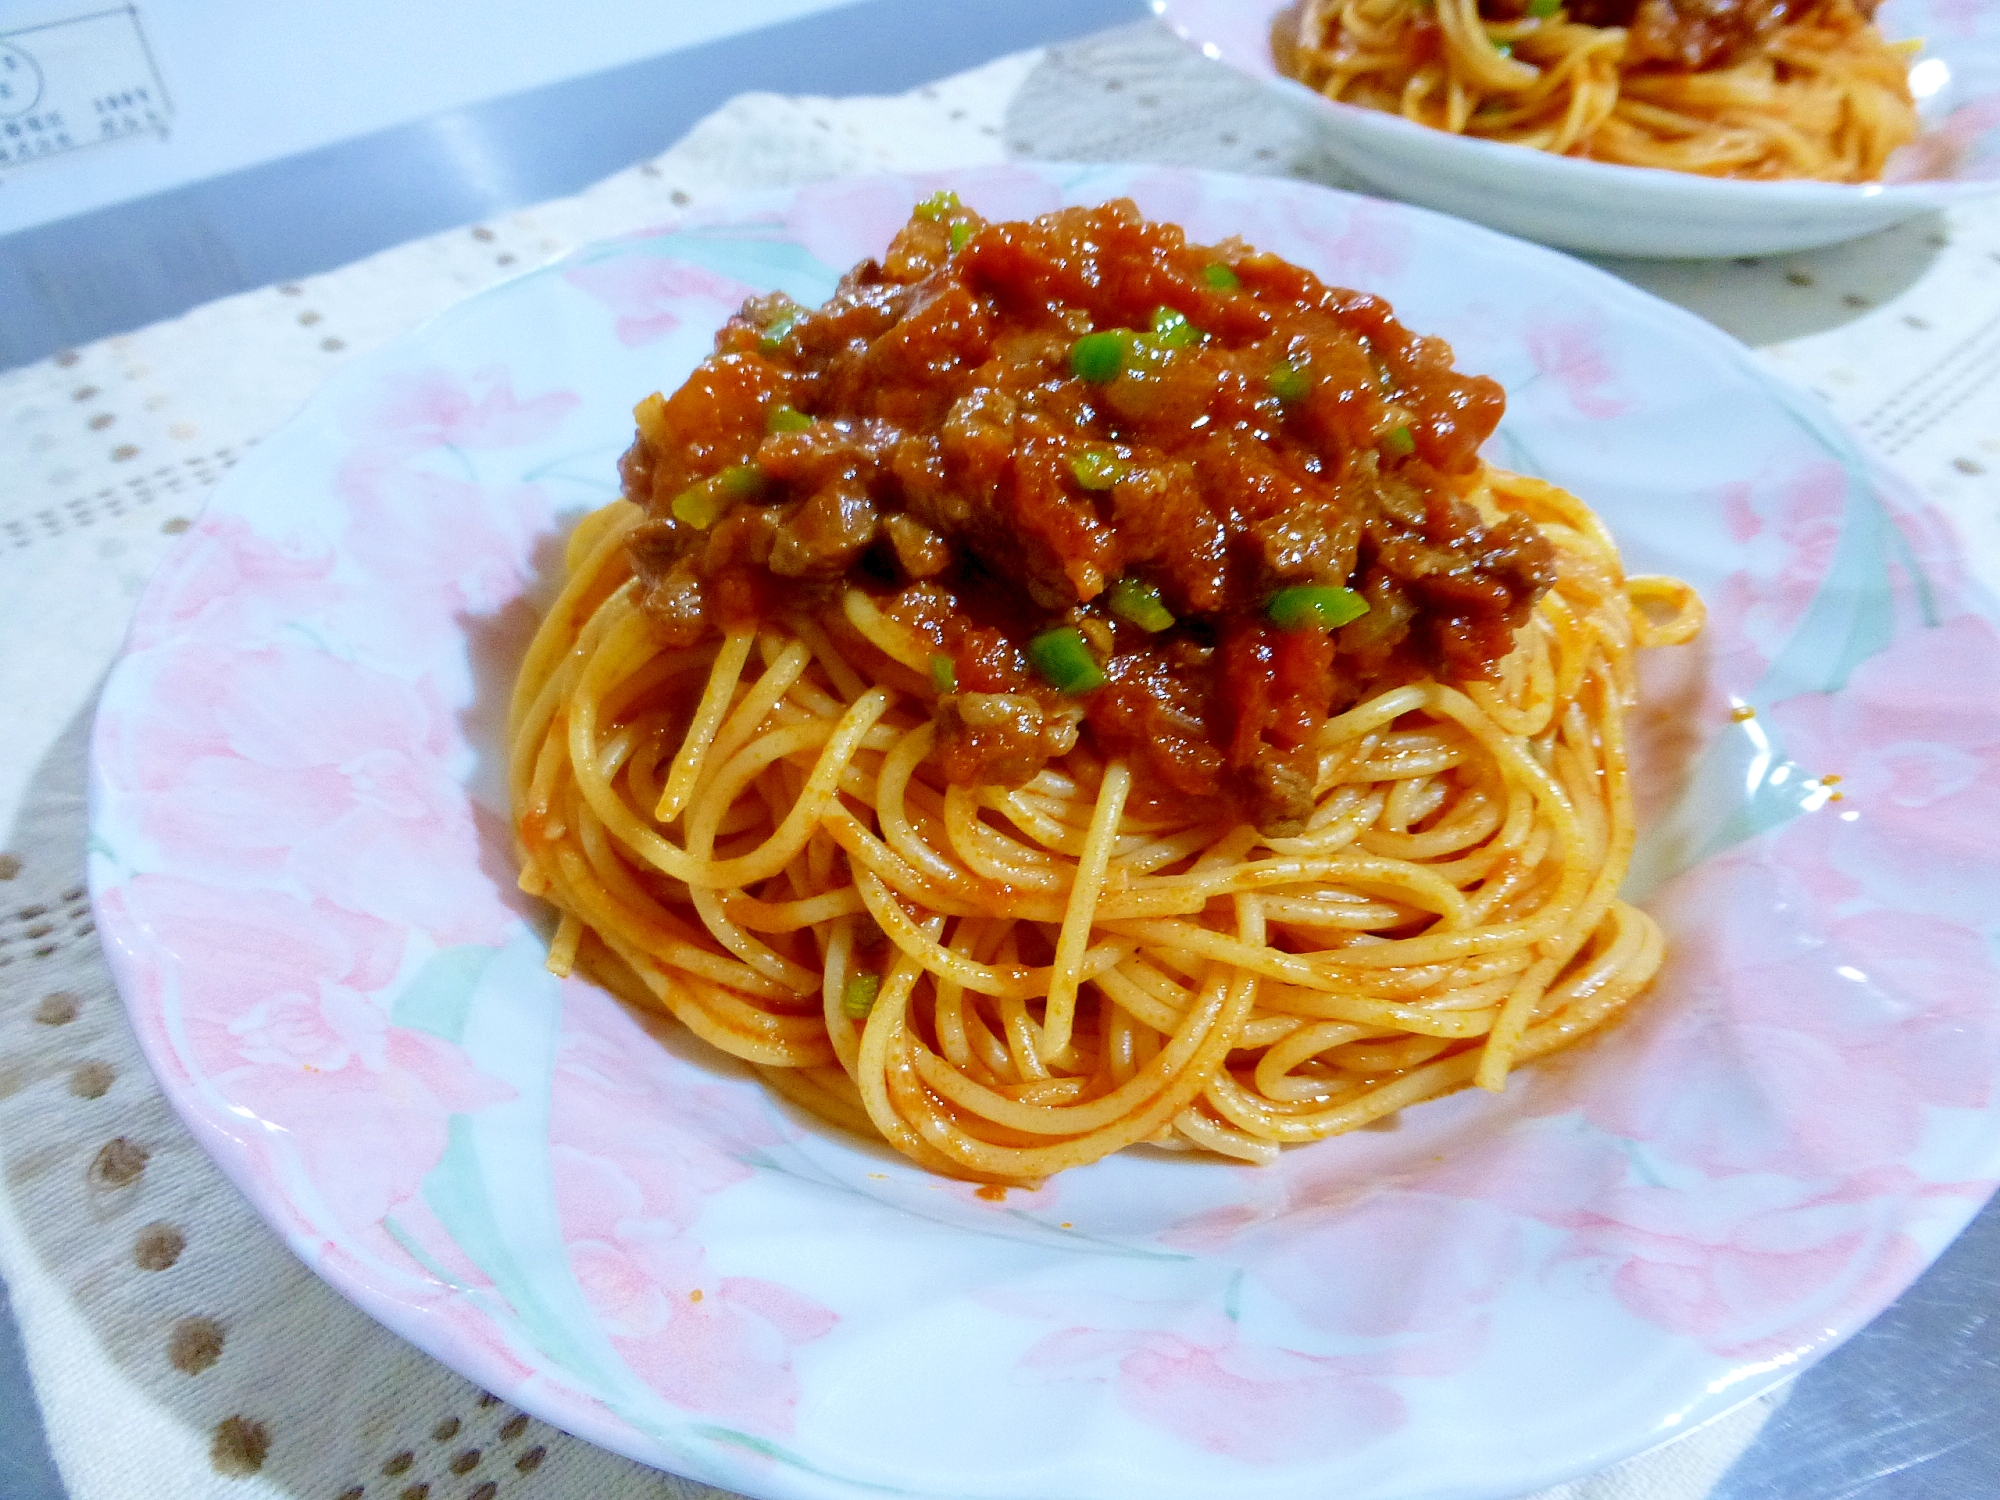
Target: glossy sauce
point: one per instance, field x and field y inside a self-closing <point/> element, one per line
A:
<point x="1684" y="36"/>
<point x="944" y="434"/>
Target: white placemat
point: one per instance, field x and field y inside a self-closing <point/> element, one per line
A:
<point x="178" y="1349"/>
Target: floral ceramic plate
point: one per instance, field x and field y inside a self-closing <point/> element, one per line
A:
<point x="301" y="866"/>
<point x="1616" y="210"/>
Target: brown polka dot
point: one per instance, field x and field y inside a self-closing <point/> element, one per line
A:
<point x="1798" y="278"/>
<point x="10" y="866"/>
<point x="503" y="260"/>
<point x="101" y="421"/>
<point x="67" y="357"/>
<point x="400" y="1464"/>
<point x="353" y="1492"/>
<point x="307" y="319"/>
<point x="91" y="1080"/>
<point x="58" y="1008"/>
<point x="485" y="1492"/>
<point x="175" y="525"/>
<point x="415" y="1492"/>
<point x="122" y="452"/>
<point x="514" y="1427"/>
<point x="487" y="1398"/>
<point x="83" y="393"/>
<point x="466" y="1462"/>
<point x="158" y="1246"/>
<point x="1968" y="466"/>
<point x="332" y="346"/>
<point x="118" y="1163"/>
<point x="194" y="1345"/>
<point x="680" y="199"/>
<point x="239" y="1447"/>
<point x="481" y="232"/>
<point x="530" y="1461"/>
<point x="445" y="1431"/>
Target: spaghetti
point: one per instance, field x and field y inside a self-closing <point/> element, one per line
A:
<point x="1759" y="89"/>
<point x="967" y="913"/>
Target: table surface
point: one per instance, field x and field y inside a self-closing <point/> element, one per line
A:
<point x="131" y="264"/>
<point x="1901" y="1411"/>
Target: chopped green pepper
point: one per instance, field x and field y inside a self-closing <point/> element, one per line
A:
<point x="1061" y="656"/>
<point x="1138" y="601"/>
<point x="701" y="505"/>
<point x="787" y="419"/>
<point x="1289" y="381"/>
<point x="1399" y="441"/>
<point x="1541" y="10"/>
<point x="1220" y="278"/>
<point x="944" y="676"/>
<point x="741" y="481"/>
<point x="1097" y="466"/>
<point x="938" y="205"/>
<point x="777" y="330"/>
<point x="960" y="233"/>
<point x="1505" y="49"/>
<point x="1172" y="330"/>
<point x="858" y="997"/>
<point x="1323" y="605"/>
<point x="1098" y="357"/>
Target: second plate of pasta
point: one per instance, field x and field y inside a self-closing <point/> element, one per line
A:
<point x="1734" y="131"/>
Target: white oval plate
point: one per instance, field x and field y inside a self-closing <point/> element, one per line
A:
<point x="1614" y="210"/>
<point x="301" y="867"/>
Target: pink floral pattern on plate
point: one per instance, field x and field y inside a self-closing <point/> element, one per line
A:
<point x="301" y="866"/>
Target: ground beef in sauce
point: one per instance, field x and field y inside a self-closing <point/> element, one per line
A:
<point x="939" y="435"/>
<point x="1684" y="35"/>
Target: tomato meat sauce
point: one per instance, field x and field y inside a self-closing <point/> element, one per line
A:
<point x="1182" y="501"/>
<point x="1684" y="36"/>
